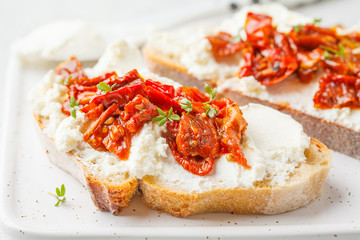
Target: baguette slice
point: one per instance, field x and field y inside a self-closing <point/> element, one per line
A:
<point x="303" y="187"/>
<point x="114" y="193"/>
<point x="339" y="138"/>
<point x="107" y="194"/>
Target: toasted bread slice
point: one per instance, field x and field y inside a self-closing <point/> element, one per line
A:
<point x="108" y="194"/>
<point x="112" y="195"/>
<point x="303" y="187"/>
<point x="339" y="138"/>
<point x="112" y="188"/>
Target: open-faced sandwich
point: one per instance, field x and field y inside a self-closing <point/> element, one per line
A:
<point x="267" y="54"/>
<point x="187" y="152"/>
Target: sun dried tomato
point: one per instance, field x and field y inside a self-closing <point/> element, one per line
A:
<point x="137" y="112"/>
<point x="120" y="96"/>
<point x="310" y="36"/>
<point x="191" y="94"/>
<point x="308" y="63"/>
<point x="70" y="69"/>
<point x="83" y="94"/>
<point x="268" y="55"/>
<point x="259" y="30"/>
<point x="94" y="135"/>
<point x="96" y="80"/>
<point x="161" y="99"/>
<point x="336" y="91"/>
<point x="197" y="136"/>
<point x="232" y="130"/>
<point x="196" y="165"/>
<point x="223" y="44"/>
<point x="169" y="90"/>
<point x="118" y="140"/>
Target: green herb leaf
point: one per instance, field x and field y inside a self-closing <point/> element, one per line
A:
<point x="170" y="112"/>
<point x="341" y="51"/>
<point x="104" y="87"/>
<point x="297" y="28"/>
<point x="74" y="106"/>
<point x="328" y="51"/>
<point x="211" y="93"/>
<point x="175" y="117"/>
<point x="327" y="55"/>
<point x="161" y="112"/>
<point x="72" y="101"/>
<point x="62" y="192"/>
<point x="163" y="117"/>
<point x="162" y="122"/>
<point x="211" y="111"/>
<point x="73" y="113"/>
<point x="317" y="20"/>
<point x="60" y="195"/>
<point x="186" y="105"/>
<point x="157" y="118"/>
<point x="66" y="81"/>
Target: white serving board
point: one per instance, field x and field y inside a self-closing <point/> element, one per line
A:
<point x="27" y="211"/>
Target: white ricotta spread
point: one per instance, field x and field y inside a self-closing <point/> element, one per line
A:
<point x="195" y="55"/>
<point x="47" y="99"/>
<point x="60" y="40"/>
<point x="273" y="148"/>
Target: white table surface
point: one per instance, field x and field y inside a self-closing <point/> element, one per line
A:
<point x="19" y="17"/>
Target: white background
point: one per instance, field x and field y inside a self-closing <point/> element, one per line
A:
<point x="18" y="18"/>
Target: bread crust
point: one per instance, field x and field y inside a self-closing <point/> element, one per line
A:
<point x="336" y="137"/>
<point x="303" y="187"/>
<point x="107" y="196"/>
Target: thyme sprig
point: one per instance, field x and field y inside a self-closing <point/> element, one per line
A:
<point x="329" y="52"/>
<point x="164" y="117"/>
<point x="104" y="87"/>
<point x="60" y="195"/>
<point x="67" y="81"/>
<point x="74" y="106"/>
<point x="186" y="105"/>
<point x="211" y="93"/>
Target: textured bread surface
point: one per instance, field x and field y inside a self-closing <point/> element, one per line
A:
<point x="107" y="194"/>
<point x="110" y="195"/>
<point x="303" y="186"/>
<point x="334" y="136"/>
